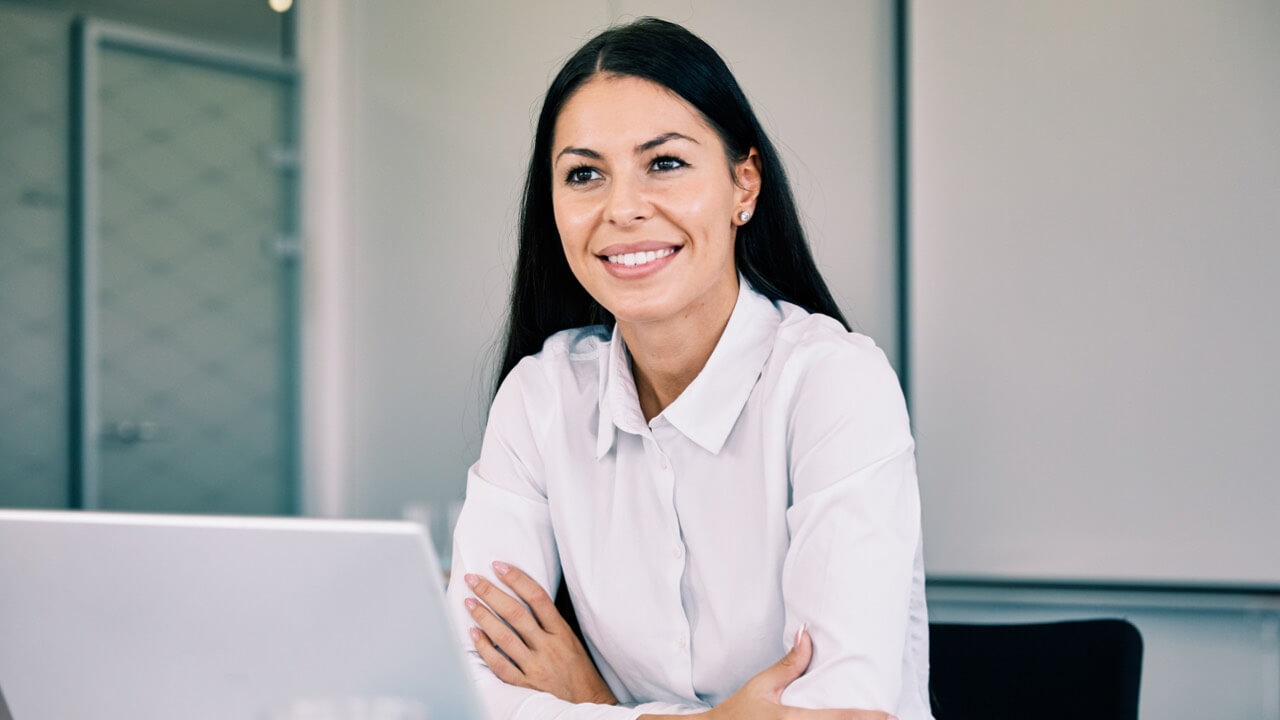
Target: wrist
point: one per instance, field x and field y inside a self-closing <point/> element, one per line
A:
<point x="603" y="696"/>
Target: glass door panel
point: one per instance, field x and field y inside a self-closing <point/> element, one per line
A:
<point x="190" y="308"/>
<point x="33" y="258"/>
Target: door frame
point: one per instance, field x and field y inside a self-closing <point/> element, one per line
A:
<point x="88" y="37"/>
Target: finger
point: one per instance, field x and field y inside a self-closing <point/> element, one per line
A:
<point x="506" y="607"/>
<point x="528" y="589"/>
<point x="500" y="664"/>
<point x="791" y="666"/>
<point x="805" y="714"/>
<point x="499" y="632"/>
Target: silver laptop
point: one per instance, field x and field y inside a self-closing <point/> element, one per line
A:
<point x="145" y="617"/>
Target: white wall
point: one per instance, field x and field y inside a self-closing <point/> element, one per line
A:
<point x="1096" y="269"/>
<point x="433" y="115"/>
<point x="1095" y="262"/>
<point x="412" y="221"/>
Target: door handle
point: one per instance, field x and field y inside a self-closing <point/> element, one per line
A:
<point x="131" y="432"/>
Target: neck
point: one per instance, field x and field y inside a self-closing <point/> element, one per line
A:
<point x="667" y="355"/>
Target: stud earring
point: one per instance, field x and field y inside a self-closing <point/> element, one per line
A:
<point x="744" y="216"/>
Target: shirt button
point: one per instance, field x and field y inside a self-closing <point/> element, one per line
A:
<point x="677" y="552"/>
<point x="682" y="642"/>
<point x="665" y="465"/>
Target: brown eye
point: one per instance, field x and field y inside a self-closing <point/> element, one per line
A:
<point x="581" y="175"/>
<point x="667" y="163"/>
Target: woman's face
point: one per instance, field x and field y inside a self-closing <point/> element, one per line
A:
<point x="645" y="200"/>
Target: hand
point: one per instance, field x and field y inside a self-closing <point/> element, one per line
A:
<point x="760" y="697"/>
<point x="537" y="651"/>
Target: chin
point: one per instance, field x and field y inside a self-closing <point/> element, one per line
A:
<point x="640" y="307"/>
<point x="643" y="313"/>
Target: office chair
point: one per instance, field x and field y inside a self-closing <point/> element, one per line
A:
<point x="1077" y="669"/>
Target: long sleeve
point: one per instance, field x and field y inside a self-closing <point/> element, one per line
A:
<point x="506" y="517"/>
<point x="852" y="568"/>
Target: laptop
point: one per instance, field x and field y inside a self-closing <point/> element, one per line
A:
<point x="106" y="615"/>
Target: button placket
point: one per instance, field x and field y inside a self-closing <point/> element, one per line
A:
<point x="681" y="665"/>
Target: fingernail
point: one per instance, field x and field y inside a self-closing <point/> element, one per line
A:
<point x="500" y="567"/>
<point x="475" y="635"/>
<point x="799" y="632"/>
<point x="472" y="580"/>
<point x="470" y="603"/>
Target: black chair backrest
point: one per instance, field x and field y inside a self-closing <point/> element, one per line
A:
<point x="1075" y="669"/>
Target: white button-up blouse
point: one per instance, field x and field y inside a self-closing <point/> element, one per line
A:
<point x="778" y="489"/>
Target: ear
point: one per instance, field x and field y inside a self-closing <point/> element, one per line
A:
<point x="746" y="180"/>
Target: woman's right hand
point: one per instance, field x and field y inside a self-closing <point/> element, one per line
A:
<point x="760" y="698"/>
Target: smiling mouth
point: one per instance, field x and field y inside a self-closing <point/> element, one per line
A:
<point x="640" y="258"/>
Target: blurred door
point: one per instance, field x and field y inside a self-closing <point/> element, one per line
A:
<point x="34" y="68"/>
<point x="188" y="277"/>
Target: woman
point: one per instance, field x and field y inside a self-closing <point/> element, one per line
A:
<point x="685" y="428"/>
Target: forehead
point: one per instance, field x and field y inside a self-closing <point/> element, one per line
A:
<point x="611" y="111"/>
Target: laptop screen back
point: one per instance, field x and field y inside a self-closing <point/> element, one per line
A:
<point x="112" y="615"/>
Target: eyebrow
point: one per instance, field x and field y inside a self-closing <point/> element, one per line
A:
<point x="642" y="147"/>
<point x="665" y="137"/>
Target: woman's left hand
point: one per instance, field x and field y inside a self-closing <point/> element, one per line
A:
<point x="537" y="651"/>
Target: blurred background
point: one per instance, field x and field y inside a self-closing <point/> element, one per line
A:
<point x="254" y="259"/>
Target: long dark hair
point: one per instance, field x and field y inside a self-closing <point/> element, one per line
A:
<point x="770" y="251"/>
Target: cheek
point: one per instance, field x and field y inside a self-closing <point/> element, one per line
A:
<point x="574" y="227"/>
<point x="572" y="219"/>
<point x="704" y="198"/>
<point x="706" y="213"/>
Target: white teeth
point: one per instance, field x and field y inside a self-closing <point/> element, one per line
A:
<point x="640" y="258"/>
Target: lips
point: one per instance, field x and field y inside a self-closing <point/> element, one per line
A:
<point x="628" y="248"/>
<point x="637" y="260"/>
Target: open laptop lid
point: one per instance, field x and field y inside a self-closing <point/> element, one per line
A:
<point x="148" y="616"/>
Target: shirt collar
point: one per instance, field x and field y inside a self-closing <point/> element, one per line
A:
<point x="619" y="404"/>
<point x="708" y="409"/>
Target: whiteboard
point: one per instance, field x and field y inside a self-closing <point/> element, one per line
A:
<point x="1094" y="300"/>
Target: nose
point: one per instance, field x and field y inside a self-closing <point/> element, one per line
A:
<point x="627" y="203"/>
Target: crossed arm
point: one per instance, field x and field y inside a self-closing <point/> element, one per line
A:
<point x="530" y="645"/>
